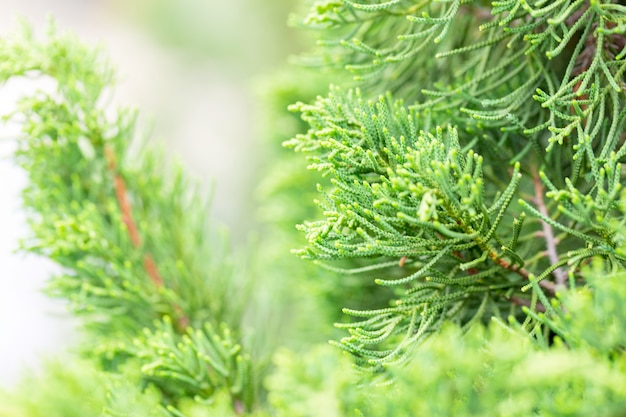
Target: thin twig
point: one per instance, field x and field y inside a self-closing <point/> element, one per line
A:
<point x="122" y="199"/>
<point x="546" y="285"/>
<point x="133" y="232"/>
<point x="560" y="275"/>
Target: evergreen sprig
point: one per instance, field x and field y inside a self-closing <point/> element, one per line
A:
<point x="412" y="202"/>
<point x="131" y="234"/>
<point x="383" y="40"/>
<point x="401" y="190"/>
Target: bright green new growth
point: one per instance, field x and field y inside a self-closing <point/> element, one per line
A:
<point x="471" y="226"/>
<point x="131" y="234"/>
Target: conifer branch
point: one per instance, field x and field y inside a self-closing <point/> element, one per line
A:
<point x="198" y="363"/>
<point x="356" y="144"/>
<point x="523" y="273"/>
<point x="88" y="213"/>
<point x="407" y="195"/>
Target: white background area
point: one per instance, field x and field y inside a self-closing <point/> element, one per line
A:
<point x="201" y="112"/>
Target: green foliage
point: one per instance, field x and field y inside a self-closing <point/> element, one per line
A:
<point x="592" y="316"/>
<point x="408" y="197"/>
<point x="471" y="225"/>
<point x="285" y="196"/>
<point x="492" y="370"/>
<point x="316" y="383"/>
<point x="496" y="373"/>
<point x="131" y="234"/>
<point x="97" y="207"/>
<point x="36" y="396"/>
<point x="80" y="389"/>
<point x="406" y="200"/>
<point x="196" y="364"/>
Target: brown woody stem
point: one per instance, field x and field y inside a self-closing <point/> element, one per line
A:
<point x="546" y="285"/>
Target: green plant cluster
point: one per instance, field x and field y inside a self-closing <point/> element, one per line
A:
<point x="467" y="235"/>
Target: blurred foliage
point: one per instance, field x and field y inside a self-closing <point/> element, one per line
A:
<point x="63" y="389"/>
<point x="244" y="35"/>
<point x="494" y="370"/>
<point x="317" y="381"/>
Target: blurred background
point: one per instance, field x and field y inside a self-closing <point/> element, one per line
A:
<point x="190" y="67"/>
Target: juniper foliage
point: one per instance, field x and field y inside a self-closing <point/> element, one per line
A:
<point x="469" y="221"/>
<point x="140" y="278"/>
<point x="498" y="214"/>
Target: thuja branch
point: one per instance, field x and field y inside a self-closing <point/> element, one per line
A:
<point x="522" y="302"/>
<point x="417" y="196"/>
<point x="132" y="240"/>
<point x="122" y="199"/>
<point x="119" y="232"/>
